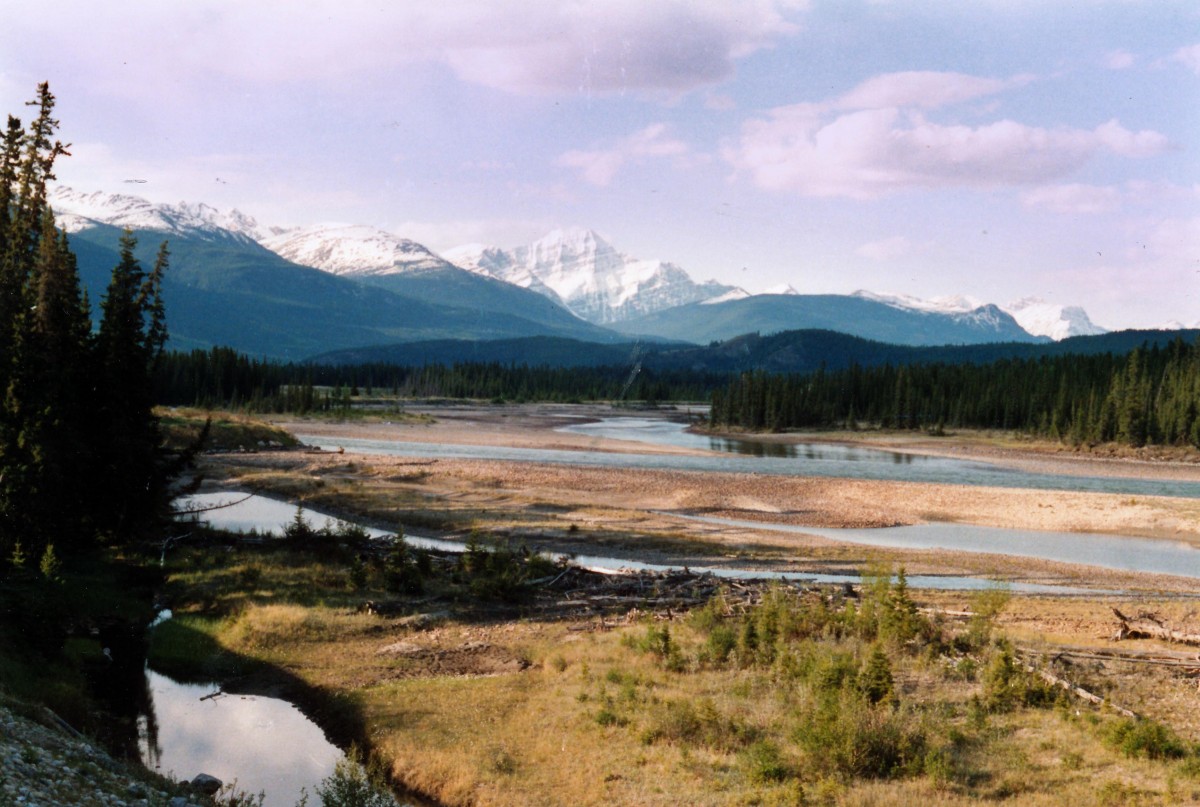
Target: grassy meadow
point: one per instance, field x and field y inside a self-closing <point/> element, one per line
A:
<point x="472" y="691"/>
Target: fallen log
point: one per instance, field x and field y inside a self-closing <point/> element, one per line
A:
<point x="1149" y="626"/>
<point x="1077" y="691"/>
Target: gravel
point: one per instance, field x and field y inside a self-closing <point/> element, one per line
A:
<point x="41" y="766"/>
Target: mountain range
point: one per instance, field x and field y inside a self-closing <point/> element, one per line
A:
<point x="293" y="292"/>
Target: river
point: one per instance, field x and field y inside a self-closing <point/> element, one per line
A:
<point x="747" y="456"/>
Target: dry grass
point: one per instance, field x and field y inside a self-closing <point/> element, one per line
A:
<point x="596" y="719"/>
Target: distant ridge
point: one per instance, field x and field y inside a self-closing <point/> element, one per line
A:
<point x="788" y="352"/>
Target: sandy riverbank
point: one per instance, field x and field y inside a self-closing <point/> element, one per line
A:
<point x="634" y="513"/>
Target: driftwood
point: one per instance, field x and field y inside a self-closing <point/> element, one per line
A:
<point x="1150" y="626"/>
<point x="1162" y="658"/>
<point x="1077" y="691"/>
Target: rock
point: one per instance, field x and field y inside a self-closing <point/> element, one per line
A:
<point x="206" y="784"/>
<point x="178" y="801"/>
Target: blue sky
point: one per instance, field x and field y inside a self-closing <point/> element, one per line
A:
<point x="996" y="149"/>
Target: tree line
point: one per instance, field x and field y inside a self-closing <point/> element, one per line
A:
<point x="80" y="453"/>
<point x="222" y="377"/>
<point x="1148" y="396"/>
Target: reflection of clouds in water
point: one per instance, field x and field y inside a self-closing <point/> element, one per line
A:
<point x="264" y="743"/>
<point x="256" y="513"/>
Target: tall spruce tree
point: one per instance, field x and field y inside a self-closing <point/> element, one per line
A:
<point x="80" y="447"/>
<point x="128" y="345"/>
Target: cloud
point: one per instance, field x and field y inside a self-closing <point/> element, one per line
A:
<point x="886" y="250"/>
<point x="876" y="140"/>
<point x="1119" y="60"/>
<point x="1177" y="240"/>
<point x="548" y="46"/>
<point x="599" y="166"/>
<point x="1190" y="57"/>
<point x="922" y="90"/>
<point x="1073" y="198"/>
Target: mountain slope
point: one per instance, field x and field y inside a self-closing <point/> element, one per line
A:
<point x="1033" y="314"/>
<point x="384" y="260"/>
<point x="801" y="351"/>
<point x="588" y="274"/>
<point x="853" y="315"/>
<point x="227" y="292"/>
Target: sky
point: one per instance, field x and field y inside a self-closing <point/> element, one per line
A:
<point x="997" y="148"/>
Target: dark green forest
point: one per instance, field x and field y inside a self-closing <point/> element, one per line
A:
<point x="222" y="377"/>
<point x="1148" y="396"/>
<point x="80" y="455"/>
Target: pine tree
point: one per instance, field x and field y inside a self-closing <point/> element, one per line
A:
<point x="129" y="343"/>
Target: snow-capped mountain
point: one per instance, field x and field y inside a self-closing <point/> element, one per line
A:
<point x="1058" y="322"/>
<point x="75" y="210"/>
<point x="589" y="275"/>
<point x="349" y="249"/>
<point x="1035" y="315"/>
<point x="782" y="288"/>
<point x="732" y="294"/>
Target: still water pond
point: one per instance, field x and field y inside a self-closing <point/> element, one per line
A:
<point x="266" y="744"/>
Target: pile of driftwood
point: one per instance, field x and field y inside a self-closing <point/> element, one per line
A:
<point x="578" y="592"/>
<point x="1151" y="626"/>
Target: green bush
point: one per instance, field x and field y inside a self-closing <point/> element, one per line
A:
<point x="353" y="784"/>
<point x="699" y="723"/>
<point x="1142" y="737"/>
<point x="764" y="763"/>
<point x="852" y="738"/>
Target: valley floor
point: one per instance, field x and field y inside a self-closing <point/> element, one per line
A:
<point x="504" y="736"/>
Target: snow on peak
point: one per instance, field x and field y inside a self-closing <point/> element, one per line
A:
<point x="782" y="288"/>
<point x="956" y="304"/>
<point x="732" y="294"/>
<point x="352" y="249"/>
<point x="582" y="269"/>
<point x="78" y="210"/>
<point x="1056" y="321"/>
<point x="1033" y="314"/>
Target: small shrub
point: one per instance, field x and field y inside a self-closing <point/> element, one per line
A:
<point x="1142" y="737"/>
<point x="719" y="645"/>
<point x="875" y="680"/>
<point x="353" y="784"/>
<point x="851" y="738"/>
<point x="764" y="763"/>
<point x="687" y="723"/>
<point x="358" y="574"/>
<point x="986" y="605"/>
<point x="50" y="566"/>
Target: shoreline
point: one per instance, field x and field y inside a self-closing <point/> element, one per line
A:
<point x="631" y="512"/>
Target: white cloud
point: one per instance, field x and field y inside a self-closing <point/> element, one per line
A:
<point x="888" y="249"/>
<point x="544" y="46"/>
<point x="823" y="150"/>
<point x="1177" y="240"/>
<point x="1073" y="198"/>
<point x="599" y="166"/>
<point x="1190" y="57"/>
<point x="1119" y="60"/>
<point x="921" y="90"/>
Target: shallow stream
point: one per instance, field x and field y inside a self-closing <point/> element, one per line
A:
<point x="748" y="456"/>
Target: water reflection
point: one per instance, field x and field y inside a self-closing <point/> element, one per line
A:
<point x="267" y="516"/>
<point x="265" y="744"/>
